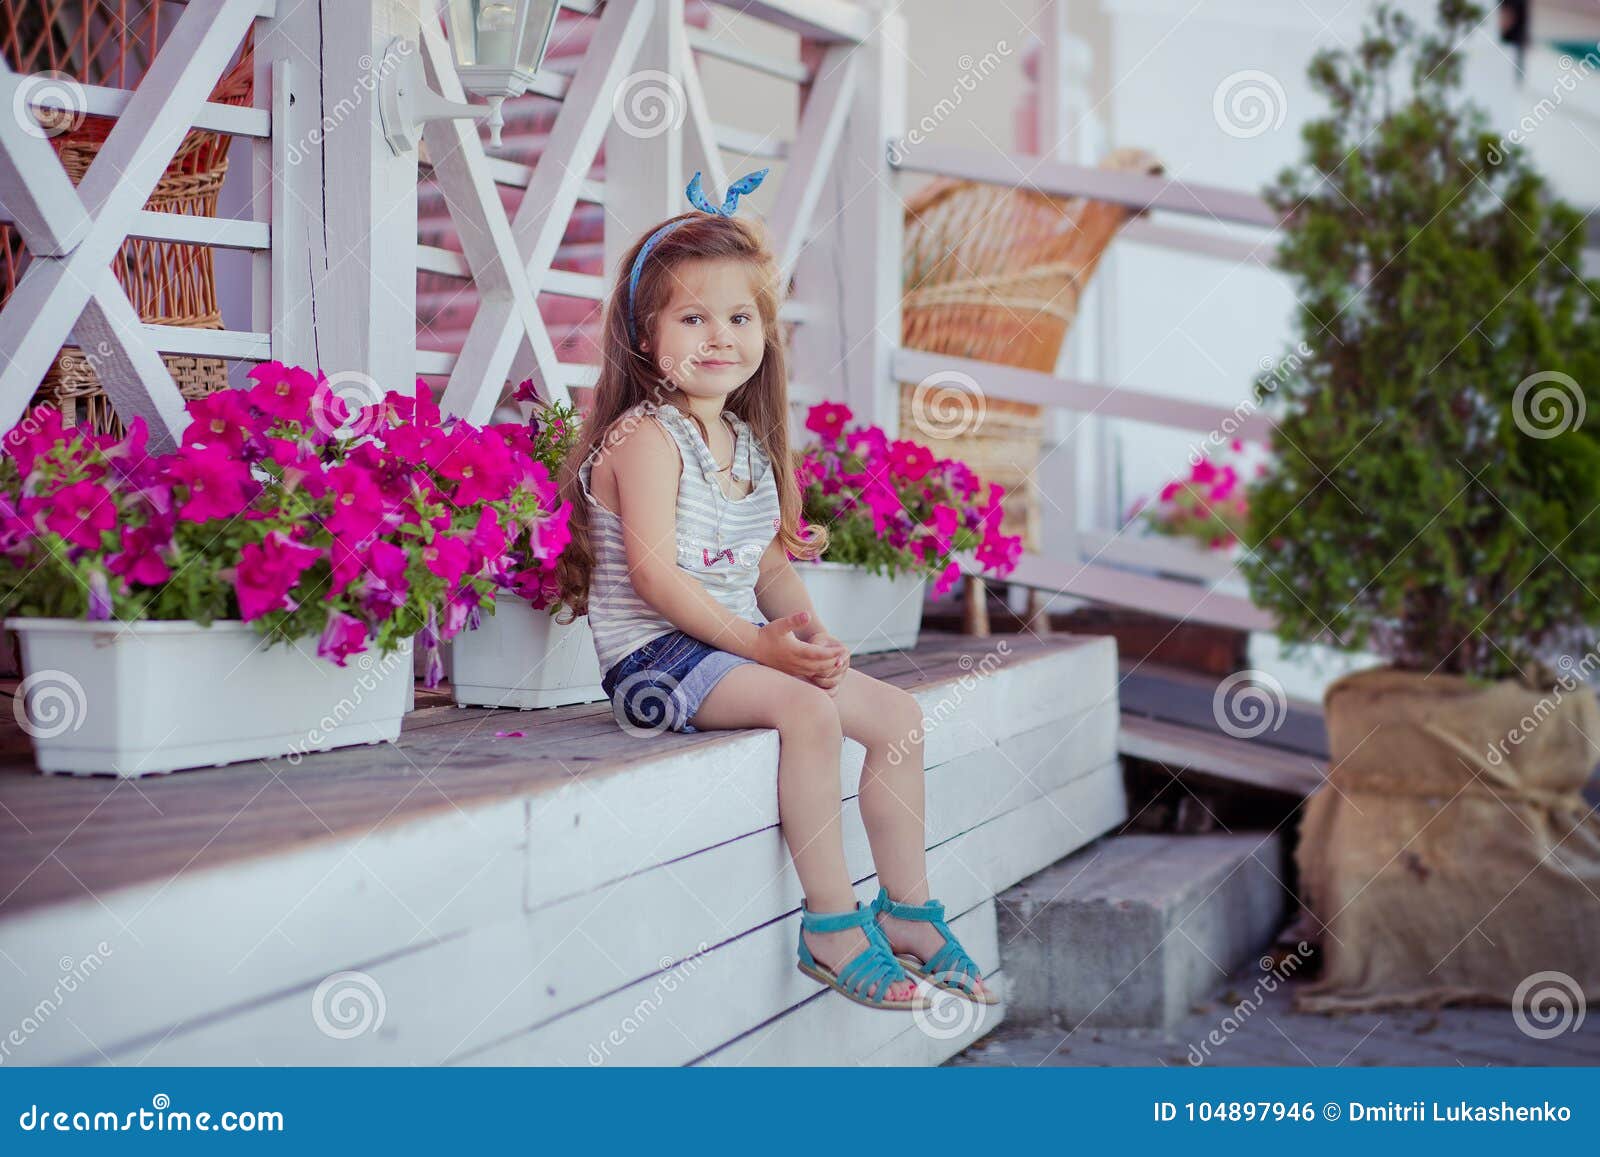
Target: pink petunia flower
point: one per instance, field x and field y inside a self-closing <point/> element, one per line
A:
<point x="910" y="460"/>
<point x="81" y="513"/>
<point x="828" y="419"/>
<point x="345" y="635"/>
<point x="359" y="508"/>
<point x="141" y="559"/>
<point x="383" y="584"/>
<point x="448" y="557"/>
<point x="281" y="392"/>
<point x="267" y="571"/>
<point x="40" y="431"/>
<point x="218" y="485"/>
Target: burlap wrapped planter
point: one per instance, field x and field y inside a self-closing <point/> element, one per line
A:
<point x="1451" y="856"/>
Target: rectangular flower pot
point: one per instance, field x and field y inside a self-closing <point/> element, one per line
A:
<point x="521" y="657"/>
<point x="132" y="699"/>
<point x="866" y="612"/>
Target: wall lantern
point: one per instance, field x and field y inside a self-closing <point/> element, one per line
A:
<point x="498" y="46"/>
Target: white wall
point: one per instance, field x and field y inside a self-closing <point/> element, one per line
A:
<point x="1202" y="328"/>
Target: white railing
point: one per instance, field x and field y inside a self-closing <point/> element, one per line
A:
<point x="69" y="292"/>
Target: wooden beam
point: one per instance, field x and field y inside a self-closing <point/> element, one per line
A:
<point x="825" y="20"/>
<point x="702" y="137"/>
<point x="816" y="146"/>
<point x="1062" y="180"/>
<point x="1185" y="602"/>
<point x="1019" y="385"/>
<point x="236" y="120"/>
<point x="220" y="232"/>
<point x="232" y="344"/>
<point x="1145" y="232"/>
<point x="705" y="42"/>
<point x="750" y="144"/>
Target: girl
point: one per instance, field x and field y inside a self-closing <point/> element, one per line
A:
<point x="685" y="513"/>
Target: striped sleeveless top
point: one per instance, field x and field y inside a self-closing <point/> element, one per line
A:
<point x="720" y="539"/>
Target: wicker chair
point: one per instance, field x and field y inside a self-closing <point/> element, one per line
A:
<point x="996" y="274"/>
<point x="169" y="283"/>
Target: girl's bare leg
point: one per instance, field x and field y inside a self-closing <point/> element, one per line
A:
<point x="809" y="741"/>
<point x="888" y="722"/>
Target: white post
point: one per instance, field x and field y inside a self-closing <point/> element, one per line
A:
<point x="644" y="175"/>
<point x="848" y="276"/>
<point x="1066" y="134"/>
<point x="343" y="206"/>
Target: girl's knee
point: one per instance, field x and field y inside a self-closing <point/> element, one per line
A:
<point x="809" y="712"/>
<point x="907" y="714"/>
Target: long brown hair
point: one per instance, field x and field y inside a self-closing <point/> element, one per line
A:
<point x="629" y="376"/>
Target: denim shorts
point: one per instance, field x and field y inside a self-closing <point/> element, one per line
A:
<point x="662" y="684"/>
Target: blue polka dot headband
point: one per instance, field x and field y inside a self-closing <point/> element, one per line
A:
<point x="697" y="197"/>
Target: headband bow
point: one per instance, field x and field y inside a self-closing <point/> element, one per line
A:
<point x="697" y="197"/>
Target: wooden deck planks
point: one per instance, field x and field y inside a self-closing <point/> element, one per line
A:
<point x="109" y="833"/>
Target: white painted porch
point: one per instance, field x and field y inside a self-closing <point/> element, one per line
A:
<point x="574" y="896"/>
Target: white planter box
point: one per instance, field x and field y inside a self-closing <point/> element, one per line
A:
<point x="520" y="657"/>
<point x="132" y="699"/>
<point x="866" y="612"/>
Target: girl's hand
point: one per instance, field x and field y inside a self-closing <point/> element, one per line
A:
<point x="777" y="647"/>
<point x="830" y="682"/>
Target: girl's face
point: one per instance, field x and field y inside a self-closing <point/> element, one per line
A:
<point x="709" y="340"/>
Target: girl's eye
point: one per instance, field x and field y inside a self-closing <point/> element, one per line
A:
<point x="746" y="316"/>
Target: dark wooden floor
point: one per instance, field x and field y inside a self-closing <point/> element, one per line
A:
<point x="62" y="837"/>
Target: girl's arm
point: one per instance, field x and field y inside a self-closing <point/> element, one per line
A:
<point x="779" y="590"/>
<point x="646" y="469"/>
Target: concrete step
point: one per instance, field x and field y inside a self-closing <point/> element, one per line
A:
<point x="1133" y="930"/>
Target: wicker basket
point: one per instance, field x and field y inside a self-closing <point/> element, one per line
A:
<point x="996" y="274"/>
<point x="168" y="283"/>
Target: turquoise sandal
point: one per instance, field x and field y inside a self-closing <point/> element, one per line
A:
<point x="951" y="968"/>
<point x="873" y="964"/>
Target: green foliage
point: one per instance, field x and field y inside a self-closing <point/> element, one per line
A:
<point x="1433" y="473"/>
